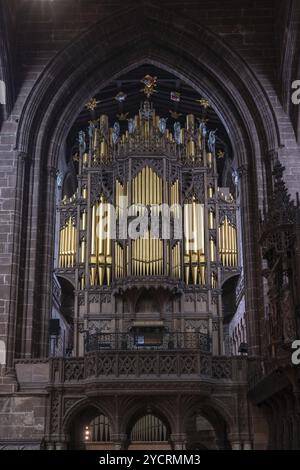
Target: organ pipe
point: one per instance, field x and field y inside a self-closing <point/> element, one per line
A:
<point x="186" y="259"/>
<point x="228" y="243"/>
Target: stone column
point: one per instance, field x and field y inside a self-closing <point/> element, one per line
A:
<point x="50" y="446"/>
<point x="253" y="286"/>
<point x="61" y="445"/>
<point x="247" y="445"/>
<point x="236" y="445"/>
<point x="179" y="441"/>
<point x="119" y="441"/>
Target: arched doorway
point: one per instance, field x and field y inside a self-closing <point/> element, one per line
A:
<point x="207" y="426"/>
<point x="149" y="432"/>
<point x="201" y="434"/>
<point x="90" y="429"/>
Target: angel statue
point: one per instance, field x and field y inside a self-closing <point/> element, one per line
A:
<point x="91" y="128"/>
<point x="131" y="126"/>
<point x="177" y="132"/>
<point x="202" y="129"/>
<point x="163" y="125"/>
<point x="81" y="138"/>
<point x="212" y="141"/>
<point x="116" y="132"/>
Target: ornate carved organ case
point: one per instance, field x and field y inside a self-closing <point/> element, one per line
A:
<point x="149" y="237"/>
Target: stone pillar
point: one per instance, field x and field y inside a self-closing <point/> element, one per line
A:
<point x="236" y="445"/>
<point x="61" y="445"/>
<point x="247" y="445"/>
<point x="119" y="441"/>
<point x="253" y="286"/>
<point x="50" y="446"/>
<point x="178" y="441"/>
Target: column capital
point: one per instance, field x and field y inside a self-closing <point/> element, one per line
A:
<point x="179" y="440"/>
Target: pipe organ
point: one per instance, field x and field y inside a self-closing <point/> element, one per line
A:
<point x="162" y="183"/>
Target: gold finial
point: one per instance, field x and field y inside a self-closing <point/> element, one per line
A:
<point x="122" y="116"/>
<point x="220" y="154"/>
<point x="92" y="104"/>
<point x="174" y="114"/>
<point x="150" y="85"/>
<point x="204" y="103"/>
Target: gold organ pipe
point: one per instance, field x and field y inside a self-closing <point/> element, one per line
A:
<point x="135" y="186"/>
<point x="72" y="229"/>
<point x="192" y="151"/>
<point x="223" y="243"/>
<point x="151" y="256"/>
<point x="230" y="246"/>
<point x="186" y="228"/>
<point x="211" y="220"/>
<point x="83" y="220"/>
<point x="212" y="250"/>
<point x="85" y="159"/>
<point x="137" y="242"/>
<point x="209" y="159"/>
<point x="82" y="250"/>
<point x="147" y="189"/>
<point x="66" y="245"/>
<point x="157" y="268"/>
<point x="62" y="248"/>
<point x="117" y="259"/>
<point x="93" y="230"/>
<point x="157" y="190"/>
<point x="161" y="190"/>
<point x="93" y="246"/>
<point x="108" y="233"/>
<point x="235" y="246"/>
<point x="150" y="185"/>
<point x="161" y="257"/>
<point x="69" y="241"/>
<point x="117" y="198"/>
<point x="200" y="222"/>
<point x="133" y="257"/>
<point x="143" y="256"/>
<point x="182" y="134"/>
<point x="202" y="270"/>
<point x="139" y="188"/>
<point x="227" y="242"/>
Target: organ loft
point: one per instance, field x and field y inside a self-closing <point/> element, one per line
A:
<point x="148" y="238"/>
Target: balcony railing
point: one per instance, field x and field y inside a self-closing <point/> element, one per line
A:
<point x="131" y="341"/>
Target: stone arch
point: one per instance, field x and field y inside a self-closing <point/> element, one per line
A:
<point x="137" y="409"/>
<point x="217" y="414"/>
<point x="199" y="46"/>
<point x="83" y="411"/>
<point x="63" y="89"/>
